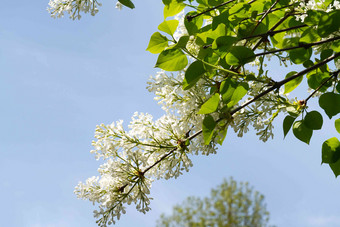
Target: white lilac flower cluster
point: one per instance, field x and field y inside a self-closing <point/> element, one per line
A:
<point x="304" y="6"/>
<point x="148" y="150"/>
<point x="261" y="113"/>
<point x="57" y="8"/>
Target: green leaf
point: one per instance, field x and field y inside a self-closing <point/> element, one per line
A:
<point x="157" y="43"/>
<point x="329" y="23"/>
<point x="330" y="102"/>
<point x="182" y="42"/>
<point x="309" y="36"/>
<point x="172" y="60"/>
<point x="249" y="28"/>
<point x="313" y="120"/>
<point x="300" y="55"/>
<point x="208" y="127"/>
<point x="337" y="125"/>
<point x="314" y="80"/>
<point x="127" y="3"/>
<point x="302" y="132"/>
<point x="325" y="54"/>
<point x="331" y="154"/>
<point x="239" y="55"/>
<point x="222" y="44"/>
<point x="335" y="168"/>
<point x="232" y="92"/>
<point x="220" y="19"/>
<point x="239" y="11"/>
<point x="194" y="24"/>
<point x="308" y="63"/>
<point x="168" y="26"/>
<point x="193" y="74"/>
<point x="172" y="8"/>
<point x="210" y="105"/>
<point x="331" y="151"/>
<point x="291" y="85"/>
<point x="336" y="46"/>
<point x="287" y="124"/>
<point x="214" y="2"/>
<point x="313" y="17"/>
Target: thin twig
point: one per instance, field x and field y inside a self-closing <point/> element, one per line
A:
<point x="301" y="45"/>
<point x="190" y="17"/>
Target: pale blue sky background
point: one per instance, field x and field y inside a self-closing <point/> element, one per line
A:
<point x="60" y="78"/>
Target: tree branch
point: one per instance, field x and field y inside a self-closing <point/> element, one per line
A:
<point x="301" y="45"/>
<point x="190" y="17"/>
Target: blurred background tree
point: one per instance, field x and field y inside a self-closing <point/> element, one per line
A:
<point x="230" y="204"/>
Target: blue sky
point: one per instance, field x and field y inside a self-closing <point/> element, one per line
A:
<point x="60" y="78"/>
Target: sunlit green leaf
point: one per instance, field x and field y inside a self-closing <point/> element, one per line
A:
<point x="194" y="24"/>
<point x="232" y="92"/>
<point x="210" y="105"/>
<point x="172" y="8"/>
<point x="172" y="60"/>
<point x="331" y="150"/>
<point x="239" y="55"/>
<point x="157" y="43"/>
<point x="309" y="36"/>
<point x="291" y="85"/>
<point x="168" y="26"/>
<point x="337" y="125"/>
<point x="302" y="132"/>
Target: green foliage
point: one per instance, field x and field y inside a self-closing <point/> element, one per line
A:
<point x="239" y="55"/>
<point x="168" y="26"/>
<point x="210" y="105"/>
<point x="291" y="85"/>
<point x="172" y="7"/>
<point x="232" y="92"/>
<point x="229" y="204"/>
<point x="127" y="3"/>
<point x="157" y="43"/>
<point x="331" y="154"/>
<point x="287" y="124"/>
<point x="172" y="60"/>
<point x="330" y="102"/>
<point x="313" y="120"/>
<point x="193" y="74"/>
<point x="246" y="32"/>
<point x="337" y="125"/>
<point x="302" y="132"/>
<point x="208" y="127"/>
